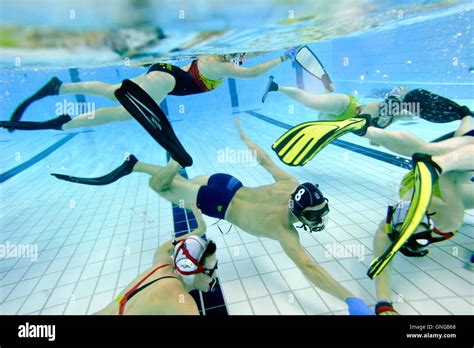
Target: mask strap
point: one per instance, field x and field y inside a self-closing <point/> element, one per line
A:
<point x="200" y="268"/>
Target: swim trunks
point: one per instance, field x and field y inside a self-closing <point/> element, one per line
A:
<point x="214" y="198"/>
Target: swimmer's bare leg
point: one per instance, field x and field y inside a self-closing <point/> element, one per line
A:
<point x="329" y="103"/>
<point x="460" y="159"/>
<point x="449" y="209"/>
<point x="383" y="282"/>
<point x="99" y="117"/>
<point x="407" y="144"/>
<point x="95" y="88"/>
<point x="156" y="84"/>
<point x="90" y="88"/>
<point x="168" y="184"/>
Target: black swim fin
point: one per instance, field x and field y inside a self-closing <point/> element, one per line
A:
<point x="56" y="123"/>
<point x="435" y="108"/>
<point x="145" y="110"/>
<point x="124" y="169"/>
<point x="50" y="88"/>
<point x="271" y="87"/>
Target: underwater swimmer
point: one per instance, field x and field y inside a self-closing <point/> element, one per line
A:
<point x="430" y="162"/>
<point x="398" y="105"/>
<point x="201" y="75"/>
<point x="179" y="266"/>
<point x="267" y="211"/>
<point x="453" y="194"/>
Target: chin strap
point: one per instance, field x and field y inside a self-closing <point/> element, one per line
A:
<point x="220" y="230"/>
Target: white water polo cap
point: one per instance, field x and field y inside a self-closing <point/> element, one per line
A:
<point x="187" y="255"/>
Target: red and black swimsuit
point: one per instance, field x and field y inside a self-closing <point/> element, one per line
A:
<point x="187" y="82"/>
<point x="136" y="288"/>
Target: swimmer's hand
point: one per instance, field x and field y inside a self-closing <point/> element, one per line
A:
<point x="201" y="229"/>
<point x="289" y="54"/>
<point x="357" y="306"/>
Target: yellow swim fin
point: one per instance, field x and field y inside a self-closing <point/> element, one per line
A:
<point x="426" y="175"/>
<point x="301" y="143"/>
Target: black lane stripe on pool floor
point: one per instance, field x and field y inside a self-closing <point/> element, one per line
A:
<point x="184" y="222"/>
<point x="378" y="155"/>
<point x="35" y="159"/>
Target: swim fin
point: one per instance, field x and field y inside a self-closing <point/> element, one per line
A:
<point x="301" y="143"/>
<point x="435" y="108"/>
<point x="124" y="169"/>
<point x="311" y="63"/>
<point x="271" y="87"/>
<point x="50" y="88"/>
<point x="426" y="174"/>
<point x="55" y="123"/>
<point x="145" y="110"/>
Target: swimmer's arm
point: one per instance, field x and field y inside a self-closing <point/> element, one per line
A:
<point x="167" y="248"/>
<point x="231" y="70"/>
<point x="312" y="271"/>
<point x="263" y="158"/>
<point x="382" y="282"/>
<point x="250" y="55"/>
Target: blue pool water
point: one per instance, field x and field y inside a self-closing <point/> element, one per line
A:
<point x="92" y="241"/>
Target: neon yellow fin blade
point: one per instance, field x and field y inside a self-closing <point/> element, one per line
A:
<point x="425" y="177"/>
<point x="301" y="143"/>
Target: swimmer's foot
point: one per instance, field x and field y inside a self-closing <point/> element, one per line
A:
<point x="328" y="85"/>
<point x="56" y="123"/>
<point x="465" y="111"/>
<point x="50" y="88"/>
<point x="123" y="170"/>
<point x="362" y="130"/>
<point x="428" y="160"/>
<point x="271" y="87"/>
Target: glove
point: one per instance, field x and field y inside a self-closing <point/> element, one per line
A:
<point x="290" y="54"/>
<point x="357" y="306"/>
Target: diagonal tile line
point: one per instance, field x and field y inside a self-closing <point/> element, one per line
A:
<point x="43" y="154"/>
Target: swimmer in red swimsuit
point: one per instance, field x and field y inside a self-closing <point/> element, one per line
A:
<point x="202" y="75"/>
<point x="179" y="266"/>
